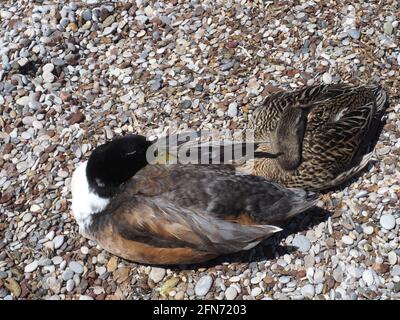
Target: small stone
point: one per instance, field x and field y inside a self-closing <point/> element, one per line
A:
<point x="85" y="297"/>
<point x="101" y="270"/>
<point x="368" y="230"/>
<point x="327" y="78"/>
<point x="354" y="33"/>
<point x="232" y="109"/>
<point x="57" y="260"/>
<point x="169" y="285"/>
<point x="23" y="61"/>
<point x="387" y="221"/>
<point x="23" y="101"/>
<point x="361" y="194"/>
<point x="231" y="293"/>
<point x="87" y="15"/>
<point x="347" y="240"/>
<point x="157" y="274"/>
<point x="112" y="264"/>
<point x="58" y="241"/>
<point x="109" y="20"/>
<point x="31" y="267"/>
<point x="368" y="277"/>
<point x="121" y="274"/>
<point x="48" y="67"/>
<point x="203" y="285"/>
<point x="67" y="274"/>
<point x="70" y="285"/>
<point x="395" y="271"/>
<point x="392" y="257"/>
<point x="388" y="27"/>
<point x="187" y="104"/>
<point x="227" y="66"/>
<point x="14" y="287"/>
<point x="256" y="291"/>
<point x="302" y="243"/>
<point x="308" y="291"/>
<point x="48" y="77"/>
<point x="76" y="117"/>
<point x="380" y="267"/>
<point x="84" y="250"/>
<point x="76" y="267"/>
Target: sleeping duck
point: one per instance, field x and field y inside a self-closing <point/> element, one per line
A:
<point x="321" y="135"/>
<point x="174" y="213"/>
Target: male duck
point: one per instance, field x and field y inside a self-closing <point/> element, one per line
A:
<point x="172" y="213"/>
<point x="319" y="134"/>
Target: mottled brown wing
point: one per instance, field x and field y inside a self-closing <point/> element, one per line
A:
<point x="332" y="147"/>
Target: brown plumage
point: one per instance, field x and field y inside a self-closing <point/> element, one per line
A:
<point x="173" y="214"/>
<point x="320" y="134"/>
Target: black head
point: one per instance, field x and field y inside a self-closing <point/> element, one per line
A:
<point x="113" y="163"/>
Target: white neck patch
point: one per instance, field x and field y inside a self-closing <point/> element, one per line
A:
<point x="84" y="202"/>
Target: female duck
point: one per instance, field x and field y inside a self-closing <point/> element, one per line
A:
<point x="319" y="134"/>
<point x="174" y="214"/>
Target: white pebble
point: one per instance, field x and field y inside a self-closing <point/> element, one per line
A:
<point x="347" y="240"/>
<point x="387" y="221"/>
<point x="31" y="267"/>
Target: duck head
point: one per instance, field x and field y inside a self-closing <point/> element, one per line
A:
<point x="95" y="181"/>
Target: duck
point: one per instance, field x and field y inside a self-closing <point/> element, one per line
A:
<point x="321" y="135"/>
<point x="167" y="214"/>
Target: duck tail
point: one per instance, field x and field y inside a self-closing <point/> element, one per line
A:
<point x="343" y="177"/>
<point x="302" y="201"/>
<point x="381" y="98"/>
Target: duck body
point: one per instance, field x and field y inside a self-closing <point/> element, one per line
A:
<point x="177" y="214"/>
<point x="321" y="134"/>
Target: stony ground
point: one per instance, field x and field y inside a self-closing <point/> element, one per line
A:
<point x="73" y="75"/>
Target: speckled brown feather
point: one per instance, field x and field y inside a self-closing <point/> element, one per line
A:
<point x="320" y="132"/>
<point x="169" y="214"/>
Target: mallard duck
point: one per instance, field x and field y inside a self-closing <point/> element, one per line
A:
<point x="320" y="135"/>
<point x="174" y="213"/>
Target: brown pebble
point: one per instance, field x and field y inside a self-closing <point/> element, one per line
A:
<point x="76" y="117"/>
<point x="8" y="148"/>
<point x="381" y="267"/>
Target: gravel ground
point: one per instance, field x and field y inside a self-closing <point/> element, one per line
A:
<point x="73" y="75"/>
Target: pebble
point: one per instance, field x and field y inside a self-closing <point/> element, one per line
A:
<point x="395" y="271"/>
<point x="67" y="274"/>
<point x="387" y="221"/>
<point x="157" y="274"/>
<point x="354" y="33"/>
<point x="347" y="240"/>
<point x="368" y="230"/>
<point x="302" y="243"/>
<point x="256" y="291"/>
<point x="48" y="77"/>
<point x="58" y="241"/>
<point x="308" y="291"/>
<point x="388" y="27"/>
<point x="368" y="277"/>
<point x="392" y="257"/>
<point x="327" y="78"/>
<point x="203" y="285"/>
<point x="31" y="267"/>
<point x="231" y="293"/>
<point x="232" y="109"/>
<point x="76" y="267"/>
<point x="70" y="285"/>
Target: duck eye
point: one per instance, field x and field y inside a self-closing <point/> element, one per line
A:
<point x="100" y="183"/>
